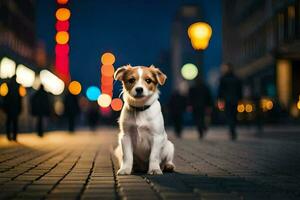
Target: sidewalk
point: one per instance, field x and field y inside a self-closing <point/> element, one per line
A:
<point x="80" y="166"/>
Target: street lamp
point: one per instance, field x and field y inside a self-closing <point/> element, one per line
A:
<point x="199" y="34"/>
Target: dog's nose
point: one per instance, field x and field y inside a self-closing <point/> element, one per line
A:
<point x="139" y="90"/>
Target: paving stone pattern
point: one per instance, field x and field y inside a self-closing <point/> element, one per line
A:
<point x="81" y="166"/>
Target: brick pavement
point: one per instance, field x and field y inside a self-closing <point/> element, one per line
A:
<point x="80" y="166"/>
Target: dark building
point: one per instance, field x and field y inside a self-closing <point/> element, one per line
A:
<point x="261" y="39"/>
<point x="182" y="51"/>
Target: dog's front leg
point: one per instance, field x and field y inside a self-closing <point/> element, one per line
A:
<point x="127" y="161"/>
<point x="154" y="161"/>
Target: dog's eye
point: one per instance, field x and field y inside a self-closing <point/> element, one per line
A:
<point x="131" y="80"/>
<point x="148" y="80"/>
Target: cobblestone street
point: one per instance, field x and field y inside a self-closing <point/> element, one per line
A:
<point x="80" y="166"/>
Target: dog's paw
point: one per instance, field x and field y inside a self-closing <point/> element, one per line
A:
<point x="155" y="171"/>
<point x="169" y="167"/>
<point x="124" y="171"/>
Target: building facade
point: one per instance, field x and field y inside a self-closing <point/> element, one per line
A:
<point x="261" y="40"/>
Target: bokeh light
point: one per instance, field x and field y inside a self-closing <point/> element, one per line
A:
<point x="62" y="37"/>
<point x="3" y="89"/>
<point x="62" y="25"/>
<point x="189" y="71"/>
<point x="62" y="1"/>
<point x="62" y="49"/>
<point x="22" y="91"/>
<point x="241" y="108"/>
<point x="74" y="87"/>
<point x="108" y="59"/>
<point x="116" y="104"/>
<point x="104" y="100"/>
<point x="107" y="70"/>
<point x="248" y="108"/>
<point x="25" y="76"/>
<point x="62" y="14"/>
<point x="200" y="34"/>
<point x="59" y="107"/>
<point x="107" y="80"/>
<point x="51" y="82"/>
<point x="7" y="68"/>
<point x="92" y="93"/>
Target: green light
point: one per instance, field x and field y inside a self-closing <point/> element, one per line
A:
<point x="189" y="71"/>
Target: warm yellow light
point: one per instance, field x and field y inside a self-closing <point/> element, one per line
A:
<point x="25" y="76"/>
<point x="62" y="37"/>
<point x="74" y="87"/>
<point x="22" y="91"/>
<point x="200" y="34"/>
<point x="104" y="100"/>
<point x="3" y="89"/>
<point x="63" y="14"/>
<point x="108" y="59"/>
<point x="241" y="108"/>
<point x="269" y="105"/>
<point x="298" y="105"/>
<point x="7" y="68"/>
<point x="249" y="108"/>
<point x="51" y="82"/>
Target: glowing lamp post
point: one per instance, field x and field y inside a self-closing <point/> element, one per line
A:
<point x="199" y="34"/>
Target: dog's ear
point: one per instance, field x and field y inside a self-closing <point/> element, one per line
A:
<point x="160" y="76"/>
<point x="118" y="75"/>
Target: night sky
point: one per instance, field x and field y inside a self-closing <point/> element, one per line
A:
<point x="135" y="31"/>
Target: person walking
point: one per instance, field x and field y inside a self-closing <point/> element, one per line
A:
<point x="177" y="106"/>
<point x="40" y="108"/>
<point x="230" y="92"/>
<point x="201" y="101"/>
<point x="72" y="109"/>
<point x="12" y="104"/>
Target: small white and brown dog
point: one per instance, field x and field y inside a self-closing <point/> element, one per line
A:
<point x="143" y="142"/>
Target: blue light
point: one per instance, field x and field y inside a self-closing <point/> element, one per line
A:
<point x="92" y="93"/>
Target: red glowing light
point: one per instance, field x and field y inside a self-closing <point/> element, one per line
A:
<point x="62" y="49"/>
<point x="105" y="111"/>
<point x="116" y="104"/>
<point x="62" y="25"/>
<point x="107" y="80"/>
<point x="62" y="1"/>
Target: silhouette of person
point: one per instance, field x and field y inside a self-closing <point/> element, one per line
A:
<point x="72" y="109"/>
<point x="201" y="101"/>
<point x="230" y="91"/>
<point x="177" y="106"/>
<point x="93" y="115"/>
<point x="40" y="108"/>
<point x="12" y="103"/>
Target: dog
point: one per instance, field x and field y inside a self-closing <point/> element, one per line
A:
<point x="143" y="142"/>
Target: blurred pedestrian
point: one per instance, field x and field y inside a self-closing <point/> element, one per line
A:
<point x="230" y="91"/>
<point x="72" y="109"/>
<point x="177" y="106"/>
<point x="40" y="108"/>
<point x="12" y="104"/>
<point x="201" y="101"/>
<point x="93" y="115"/>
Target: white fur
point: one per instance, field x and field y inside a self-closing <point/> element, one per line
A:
<point x="143" y="139"/>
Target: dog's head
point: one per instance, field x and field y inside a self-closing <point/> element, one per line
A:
<point x="140" y="82"/>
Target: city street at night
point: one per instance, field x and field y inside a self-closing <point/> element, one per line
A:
<point x="81" y="166"/>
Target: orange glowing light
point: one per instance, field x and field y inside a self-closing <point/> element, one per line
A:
<point x="74" y="87"/>
<point x="107" y="80"/>
<point x="62" y="1"/>
<point x="63" y="14"/>
<point x="108" y="59"/>
<point x="107" y="70"/>
<point x="3" y="89"/>
<point x="116" y="104"/>
<point x="22" y="91"/>
<point x="62" y="37"/>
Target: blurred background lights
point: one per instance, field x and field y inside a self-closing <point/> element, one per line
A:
<point x="22" y="91"/>
<point x="248" y="108"/>
<point x="25" y="76"/>
<point x="62" y="25"/>
<point x="7" y="68"/>
<point x="74" y="87"/>
<point x="62" y="14"/>
<point x="116" y="104"/>
<point x="51" y="82"/>
<point x="104" y="100"/>
<point x="200" y="34"/>
<point x="189" y="71"/>
<point x="59" y="107"/>
<point x="62" y="37"/>
<point x="240" y="108"/>
<point x="3" y="89"/>
<point x="92" y="93"/>
<point x="108" y="59"/>
<point x="107" y="70"/>
<point x="62" y="1"/>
